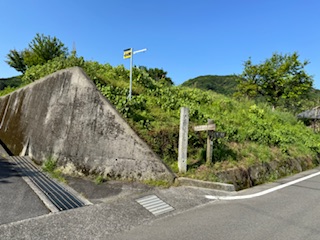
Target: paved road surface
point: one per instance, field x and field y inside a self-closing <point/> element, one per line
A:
<point x="17" y="200"/>
<point x="291" y="213"/>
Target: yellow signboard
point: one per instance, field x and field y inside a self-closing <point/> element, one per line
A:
<point x="127" y="53"/>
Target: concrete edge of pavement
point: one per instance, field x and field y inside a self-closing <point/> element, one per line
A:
<point x="182" y="181"/>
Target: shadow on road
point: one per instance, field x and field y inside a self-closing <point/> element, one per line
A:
<point x="7" y="170"/>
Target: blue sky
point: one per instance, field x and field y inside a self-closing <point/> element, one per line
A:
<point x="186" y="38"/>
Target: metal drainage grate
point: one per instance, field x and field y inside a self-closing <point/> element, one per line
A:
<point x="154" y="205"/>
<point x="61" y="198"/>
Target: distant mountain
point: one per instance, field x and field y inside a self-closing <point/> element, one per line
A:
<point x="221" y="84"/>
<point x="10" y="82"/>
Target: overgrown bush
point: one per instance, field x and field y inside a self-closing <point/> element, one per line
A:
<point x="38" y="71"/>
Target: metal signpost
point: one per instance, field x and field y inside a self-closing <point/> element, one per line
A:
<point x="128" y="53"/>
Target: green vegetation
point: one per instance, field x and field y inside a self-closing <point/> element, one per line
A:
<point x="10" y="82"/>
<point x="8" y="85"/>
<point x="99" y="179"/>
<point x="158" y="75"/>
<point x="15" y="60"/>
<point x="41" y="50"/>
<point x="255" y="133"/>
<point x="280" y="80"/>
<point x="226" y="85"/>
<point x="50" y="166"/>
<point x="157" y="183"/>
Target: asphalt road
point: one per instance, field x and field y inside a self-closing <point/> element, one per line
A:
<point x="290" y="213"/>
<point x="17" y="200"/>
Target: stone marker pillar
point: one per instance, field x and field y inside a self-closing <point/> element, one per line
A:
<point x="209" y="143"/>
<point x="183" y="139"/>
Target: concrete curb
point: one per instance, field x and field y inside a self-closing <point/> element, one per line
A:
<point x="205" y="184"/>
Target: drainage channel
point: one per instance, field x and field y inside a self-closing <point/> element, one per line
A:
<point x="60" y="197"/>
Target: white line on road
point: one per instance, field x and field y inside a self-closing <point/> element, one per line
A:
<point x="263" y="192"/>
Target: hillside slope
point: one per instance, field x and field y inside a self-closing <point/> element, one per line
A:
<point x="260" y="144"/>
<point x="221" y="84"/>
<point x="10" y="82"/>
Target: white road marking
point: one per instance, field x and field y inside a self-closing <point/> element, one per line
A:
<point x="263" y="192"/>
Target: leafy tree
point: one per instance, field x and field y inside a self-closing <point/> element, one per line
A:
<point x="15" y="60"/>
<point x="40" y="50"/>
<point x="278" y="79"/>
<point x="158" y="74"/>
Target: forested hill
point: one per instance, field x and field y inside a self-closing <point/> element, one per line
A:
<point x="10" y="82"/>
<point x="221" y="84"/>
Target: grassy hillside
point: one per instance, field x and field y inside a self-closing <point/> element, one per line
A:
<point x="221" y="84"/>
<point x="254" y="133"/>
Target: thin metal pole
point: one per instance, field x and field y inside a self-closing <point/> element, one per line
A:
<point x="139" y="51"/>
<point x="131" y="65"/>
<point x="131" y="62"/>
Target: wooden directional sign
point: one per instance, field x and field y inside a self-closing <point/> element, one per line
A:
<point x="208" y="127"/>
<point x="127" y="53"/>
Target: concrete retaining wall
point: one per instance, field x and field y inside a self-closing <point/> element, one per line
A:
<point x="261" y="173"/>
<point x="64" y="116"/>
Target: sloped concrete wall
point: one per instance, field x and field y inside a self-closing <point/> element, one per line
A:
<point x="64" y="116"/>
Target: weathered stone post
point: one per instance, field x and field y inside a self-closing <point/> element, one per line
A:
<point x="209" y="143"/>
<point x="183" y="139"/>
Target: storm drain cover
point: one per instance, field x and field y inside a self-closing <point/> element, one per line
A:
<point x="154" y="205"/>
<point x="58" y="195"/>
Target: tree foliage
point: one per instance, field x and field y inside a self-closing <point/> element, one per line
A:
<point x="12" y="82"/>
<point x="15" y="60"/>
<point x="40" y="50"/>
<point x="221" y="84"/>
<point x="158" y="74"/>
<point x="282" y="78"/>
<point x="37" y="71"/>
